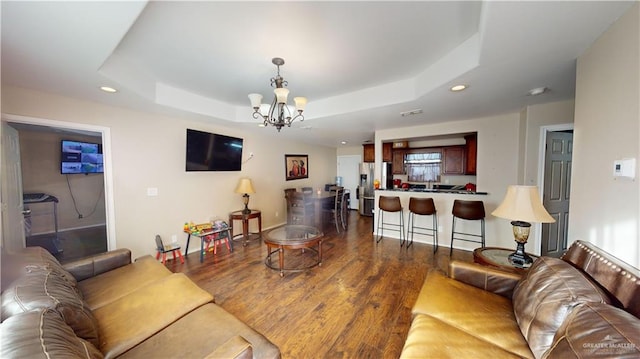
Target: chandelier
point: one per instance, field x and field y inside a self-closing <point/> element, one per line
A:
<point x="279" y="114"/>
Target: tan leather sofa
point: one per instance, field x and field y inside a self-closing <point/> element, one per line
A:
<point x="107" y="306"/>
<point x="581" y="306"/>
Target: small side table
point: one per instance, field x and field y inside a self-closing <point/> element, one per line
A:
<point x="499" y="258"/>
<point x="246" y="235"/>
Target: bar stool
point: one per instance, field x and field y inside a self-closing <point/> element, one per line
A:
<point x="471" y="211"/>
<point x="389" y="204"/>
<point x="422" y="207"/>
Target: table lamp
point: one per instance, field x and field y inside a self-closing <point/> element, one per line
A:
<point x="522" y="205"/>
<point x="245" y="186"/>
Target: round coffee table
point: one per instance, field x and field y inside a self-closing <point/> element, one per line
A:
<point x="292" y="237"/>
<point x="499" y="258"/>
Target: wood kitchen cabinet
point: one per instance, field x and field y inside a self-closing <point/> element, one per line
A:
<point x="471" y="149"/>
<point x="398" y="162"/>
<point x="454" y="163"/>
<point x="387" y="152"/>
<point x="369" y="153"/>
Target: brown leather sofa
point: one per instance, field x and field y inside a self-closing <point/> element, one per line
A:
<point x="107" y="307"/>
<point x="584" y="305"/>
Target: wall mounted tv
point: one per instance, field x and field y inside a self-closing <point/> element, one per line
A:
<point x="212" y="152"/>
<point x="81" y="157"/>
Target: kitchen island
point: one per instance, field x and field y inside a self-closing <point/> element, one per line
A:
<point x="443" y="200"/>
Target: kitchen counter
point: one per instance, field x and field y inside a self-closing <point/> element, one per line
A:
<point x="420" y="190"/>
<point x="443" y="200"/>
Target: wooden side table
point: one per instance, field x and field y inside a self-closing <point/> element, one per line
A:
<point x="246" y="235"/>
<point x="499" y="258"/>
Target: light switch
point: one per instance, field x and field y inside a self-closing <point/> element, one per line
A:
<point x="152" y="191"/>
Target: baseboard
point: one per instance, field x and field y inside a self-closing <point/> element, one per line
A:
<point x="68" y="229"/>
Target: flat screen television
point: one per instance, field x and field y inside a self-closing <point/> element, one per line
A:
<point x="212" y="152"/>
<point x="81" y="157"/>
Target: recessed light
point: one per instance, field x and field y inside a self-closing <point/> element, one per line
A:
<point x="108" y="89"/>
<point x="538" y="91"/>
<point x="343" y="142"/>
<point x="457" y="88"/>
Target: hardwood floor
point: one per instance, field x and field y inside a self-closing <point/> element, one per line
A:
<point x="356" y="305"/>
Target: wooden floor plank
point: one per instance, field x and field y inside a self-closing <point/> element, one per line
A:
<point x="356" y="304"/>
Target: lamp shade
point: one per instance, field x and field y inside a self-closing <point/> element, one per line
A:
<point x="256" y="100"/>
<point x="522" y="203"/>
<point x="245" y="186"/>
<point x="300" y="102"/>
<point x="281" y="94"/>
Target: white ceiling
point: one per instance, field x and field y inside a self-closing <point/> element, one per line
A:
<point x="359" y="63"/>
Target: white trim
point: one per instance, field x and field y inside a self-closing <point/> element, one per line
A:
<point x="541" y="156"/>
<point x="108" y="168"/>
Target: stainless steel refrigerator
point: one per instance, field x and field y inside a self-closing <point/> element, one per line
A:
<point x="366" y="195"/>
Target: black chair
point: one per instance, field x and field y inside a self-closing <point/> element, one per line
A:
<point x="422" y="207"/>
<point x="392" y="205"/>
<point x="337" y="212"/>
<point x="470" y="211"/>
<point x="345" y="207"/>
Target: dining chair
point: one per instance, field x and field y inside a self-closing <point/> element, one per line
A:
<point x="336" y="214"/>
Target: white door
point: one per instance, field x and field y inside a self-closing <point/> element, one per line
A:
<point x="349" y="170"/>
<point x="12" y="206"/>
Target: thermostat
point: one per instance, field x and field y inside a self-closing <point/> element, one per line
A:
<point x="625" y="167"/>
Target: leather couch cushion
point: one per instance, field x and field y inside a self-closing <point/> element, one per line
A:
<point x="42" y="334"/>
<point x="115" y="284"/>
<point x="597" y="330"/>
<point x="27" y="260"/>
<point x="431" y="338"/>
<point x="47" y="290"/>
<point x="484" y="315"/>
<point x="134" y="318"/>
<point x="546" y="296"/>
<point x="210" y="328"/>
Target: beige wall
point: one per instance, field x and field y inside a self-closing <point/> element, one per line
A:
<point x="148" y="152"/>
<point x="350" y="151"/>
<point x="40" y="162"/>
<point x="605" y="210"/>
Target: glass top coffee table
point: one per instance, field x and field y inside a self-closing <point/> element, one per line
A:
<point x="498" y="257"/>
<point x="293" y="237"/>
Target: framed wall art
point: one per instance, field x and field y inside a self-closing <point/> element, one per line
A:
<point x="296" y="166"/>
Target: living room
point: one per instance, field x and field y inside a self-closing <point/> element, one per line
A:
<point x="145" y="150"/>
<point x="189" y="197"/>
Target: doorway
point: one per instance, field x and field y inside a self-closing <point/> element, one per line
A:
<point x="556" y="188"/>
<point x="101" y="187"/>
